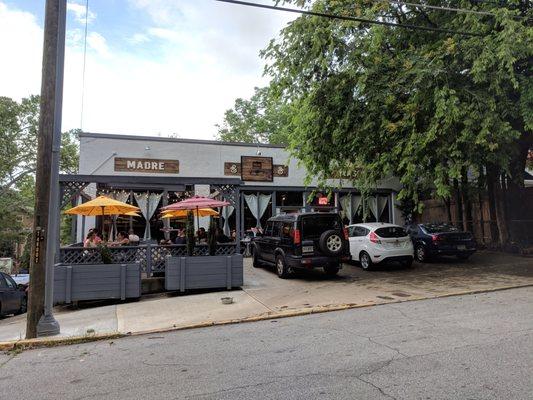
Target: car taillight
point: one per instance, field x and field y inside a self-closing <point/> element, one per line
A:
<point x="374" y="238"/>
<point x="435" y="238"/>
<point x="345" y="230"/>
<point x="296" y="238"/>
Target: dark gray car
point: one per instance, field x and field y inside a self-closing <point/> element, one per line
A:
<point x="13" y="298"/>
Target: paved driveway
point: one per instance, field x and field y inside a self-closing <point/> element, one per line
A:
<point x="354" y="286"/>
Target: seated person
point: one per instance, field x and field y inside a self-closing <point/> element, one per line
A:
<point x="202" y="235"/>
<point x="181" y="238"/>
<point x="122" y="240"/>
<point x="90" y="240"/>
<point x="220" y="237"/>
<point x="133" y="238"/>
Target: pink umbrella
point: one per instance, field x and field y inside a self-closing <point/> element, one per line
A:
<point x="196" y="202"/>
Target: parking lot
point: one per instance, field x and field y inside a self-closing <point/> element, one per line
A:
<point x="354" y="286"/>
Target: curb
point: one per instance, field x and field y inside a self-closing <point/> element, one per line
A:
<point x="26" y="344"/>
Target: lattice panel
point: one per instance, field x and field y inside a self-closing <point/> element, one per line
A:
<point x="229" y="193"/>
<point x="70" y="190"/>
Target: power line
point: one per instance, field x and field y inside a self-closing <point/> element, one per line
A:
<point x="84" y="62"/>
<point x="457" y="10"/>
<point x="347" y="18"/>
<point x="440" y="8"/>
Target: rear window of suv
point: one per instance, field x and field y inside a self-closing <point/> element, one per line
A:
<point x="391" y="232"/>
<point x="315" y="225"/>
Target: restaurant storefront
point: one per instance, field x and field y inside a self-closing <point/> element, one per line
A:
<point x="152" y="172"/>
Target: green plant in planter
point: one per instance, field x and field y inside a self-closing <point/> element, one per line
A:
<point x="211" y="239"/>
<point x="105" y="254"/>
<point x="189" y="233"/>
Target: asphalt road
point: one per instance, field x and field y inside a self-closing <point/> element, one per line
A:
<point x="468" y="347"/>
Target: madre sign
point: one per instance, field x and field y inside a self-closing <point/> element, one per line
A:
<point x="147" y="165"/>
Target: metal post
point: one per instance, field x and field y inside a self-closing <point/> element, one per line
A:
<point x="274" y="203"/>
<point x="238" y="218"/>
<point x="258" y="218"/>
<point x="48" y="325"/>
<point x="239" y="213"/>
<point x="166" y="221"/>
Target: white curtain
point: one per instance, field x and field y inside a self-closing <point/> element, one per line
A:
<point x="257" y="205"/>
<point x="373" y="206"/>
<point x="346" y="204"/>
<point x="148" y="204"/>
<point x="382" y="203"/>
<point x="356" y="203"/>
<point x="226" y="213"/>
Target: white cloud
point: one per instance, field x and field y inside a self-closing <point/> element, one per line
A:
<point x="139" y="38"/>
<point x="21" y="49"/>
<point x="201" y="63"/>
<point x="79" y="12"/>
<point x="98" y="43"/>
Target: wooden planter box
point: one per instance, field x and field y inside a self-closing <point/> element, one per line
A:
<point x="96" y="282"/>
<point x="203" y="272"/>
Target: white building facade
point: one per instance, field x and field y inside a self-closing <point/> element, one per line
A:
<point x="151" y="172"/>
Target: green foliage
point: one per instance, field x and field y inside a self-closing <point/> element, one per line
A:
<point x="19" y="123"/>
<point x="374" y="101"/>
<point x="261" y="119"/>
<point x="105" y="253"/>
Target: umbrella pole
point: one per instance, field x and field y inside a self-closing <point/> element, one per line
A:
<point x="197" y="219"/>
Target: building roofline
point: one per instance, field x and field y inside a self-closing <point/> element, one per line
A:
<point x="176" y="140"/>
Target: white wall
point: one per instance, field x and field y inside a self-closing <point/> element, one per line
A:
<point x="97" y="153"/>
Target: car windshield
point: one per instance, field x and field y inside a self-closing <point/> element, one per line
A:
<point x="314" y="225"/>
<point x="391" y="232"/>
<point x="439" y="228"/>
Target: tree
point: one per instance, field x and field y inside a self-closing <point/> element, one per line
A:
<point x="427" y="107"/>
<point x="261" y="119"/>
<point x="18" y="141"/>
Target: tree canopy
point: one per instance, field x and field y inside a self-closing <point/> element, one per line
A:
<point x="260" y="119"/>
<point x="18" y="143"/>
<point x="427" y="107"/>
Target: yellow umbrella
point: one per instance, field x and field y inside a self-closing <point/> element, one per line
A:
<point x="102" y="206"/>
<point x="133" y="214"/>
<point x="202" y="212"/>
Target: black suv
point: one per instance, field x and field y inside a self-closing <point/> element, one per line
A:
<point x="440" y="239"/>
<point x="302" y="240"/>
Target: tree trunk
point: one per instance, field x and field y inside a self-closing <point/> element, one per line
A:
<point x="466" y="204"/>
<point x="501" y="218"/>
<point x="491" y="177"/>
<point x="447" y="203"/>
<point x="458" y="204"/>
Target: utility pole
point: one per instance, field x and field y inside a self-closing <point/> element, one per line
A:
<point x="40" y="320"/>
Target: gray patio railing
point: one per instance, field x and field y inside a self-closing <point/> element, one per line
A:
<point x="151" y="257"/>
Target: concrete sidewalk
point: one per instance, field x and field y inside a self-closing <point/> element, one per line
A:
<point x="266" y="296"/>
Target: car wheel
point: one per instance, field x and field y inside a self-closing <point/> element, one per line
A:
<point x="331" y="270"/>
<point x="365" y="260"/>
<point x="463" y="256"/>
<point x="23" y="306"/>
<point x="421" y="253"/>
<point x="255" y="260"/>
<point x="330" y="242"/>
<point x="281" y="267"/>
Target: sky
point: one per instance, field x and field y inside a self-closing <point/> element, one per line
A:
<point x="153" y="67"/>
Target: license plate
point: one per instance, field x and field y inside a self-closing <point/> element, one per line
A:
<point x="308" y="249"/>
<point x="461" y="247"/>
